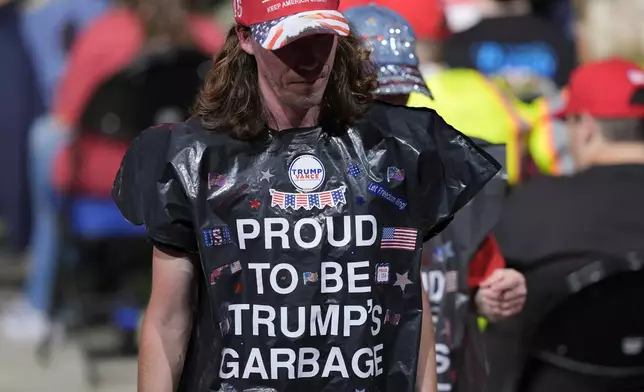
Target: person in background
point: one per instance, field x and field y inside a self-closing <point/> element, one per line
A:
<point x="455" y="270"/>
<point x="579" y="240"/>
<point x="20" y="104"/>
<point x="105" y="47"/>
<point x="526" y="52"/>
<point x="50" y="28"/>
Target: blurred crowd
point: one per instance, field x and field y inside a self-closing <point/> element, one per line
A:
<point x="79" y="79"/>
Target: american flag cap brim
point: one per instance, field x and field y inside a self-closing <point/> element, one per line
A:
<point x="400" y="79"/>
<point x="277" y="33"/>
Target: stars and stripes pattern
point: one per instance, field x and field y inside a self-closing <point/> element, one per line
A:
<point x="354" y="170"/>
<point x="217" y="236"/>
<point x="403" y="238"/>
<point x="308" y="201"/>
<point x="279" y="32"/>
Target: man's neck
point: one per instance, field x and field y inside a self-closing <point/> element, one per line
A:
<point x="282" y="117"/>
<point x="494" y="9"/>
<point x="621" y="154"/>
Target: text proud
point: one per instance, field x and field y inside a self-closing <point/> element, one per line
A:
<point x="358" y="318"/>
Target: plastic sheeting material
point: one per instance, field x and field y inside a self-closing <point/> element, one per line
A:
<point x="309" y="242"/>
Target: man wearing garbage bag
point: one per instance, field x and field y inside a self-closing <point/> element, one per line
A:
<point x="288" y="217"/>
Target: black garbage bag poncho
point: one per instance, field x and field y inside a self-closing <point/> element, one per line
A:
<point x="461" y="363"/>
<point x="309" y="243"/>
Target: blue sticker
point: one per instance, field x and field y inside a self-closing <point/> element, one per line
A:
<point x="353" y="169"/>
<point x="386" y="194"/>
<point x="360" y="200"/>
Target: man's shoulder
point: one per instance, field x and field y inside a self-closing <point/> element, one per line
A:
<point x="421" y="126"/>
<point x="384" y="121"/>
<point x="181" y="135"/>
<point x="386" y="116"/>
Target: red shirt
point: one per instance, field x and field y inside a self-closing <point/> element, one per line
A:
<point x="106" y="47"/>
<point x="485" y="261"/>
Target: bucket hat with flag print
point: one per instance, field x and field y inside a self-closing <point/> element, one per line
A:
<point x="276" y="23"/>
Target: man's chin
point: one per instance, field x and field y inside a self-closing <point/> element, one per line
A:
<point x="305" y="100"/>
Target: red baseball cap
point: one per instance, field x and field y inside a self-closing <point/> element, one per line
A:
<point x="276" y="23"/>
<point x="611" y="88"/>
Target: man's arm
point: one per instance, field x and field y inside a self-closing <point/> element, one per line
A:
<point x="167" y="324"/>
<point x="426" y="378"/>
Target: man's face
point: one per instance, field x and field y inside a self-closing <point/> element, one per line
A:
<point x="297" y="74"/>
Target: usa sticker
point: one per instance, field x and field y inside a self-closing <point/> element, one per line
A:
<point x="217" y="236"/>
<point x="306" y="173"/>
<point x="382" y="273"/>
<point x="309" y="277"/>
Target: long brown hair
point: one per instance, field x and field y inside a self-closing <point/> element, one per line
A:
<point x="166" y="22"/>
<point x="230" y="100"/>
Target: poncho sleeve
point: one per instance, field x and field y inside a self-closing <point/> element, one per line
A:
<point x="452" y="170"/>
<point x="149" y="191"/>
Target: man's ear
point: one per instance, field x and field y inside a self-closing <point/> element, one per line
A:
<point x="245" y="39"/>
<point x="590" y="131"/>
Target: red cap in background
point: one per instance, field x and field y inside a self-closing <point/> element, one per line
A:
<point x="606" y="89"/>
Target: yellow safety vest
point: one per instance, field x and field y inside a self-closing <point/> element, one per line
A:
<point x="549" y="144"/>
<point x="468" y="101"/>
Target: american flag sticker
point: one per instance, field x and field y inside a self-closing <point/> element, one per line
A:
<point x="217" y="236"/>
<point x="451" y="281"/>
<point x="308" y="201"/>
<point x="403" y="238"/>
<point x="382" y="273"/>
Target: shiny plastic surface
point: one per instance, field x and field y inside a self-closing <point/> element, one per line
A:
<point x="309" y="243"/>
